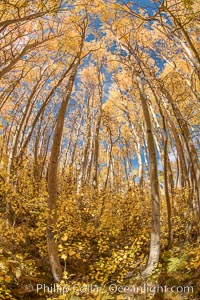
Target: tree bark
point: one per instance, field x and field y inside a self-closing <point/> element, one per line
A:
<point x="155" y="196"/>
<point x="52" y="182"/>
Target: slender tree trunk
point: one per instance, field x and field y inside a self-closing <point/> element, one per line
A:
<point x="155" y="196"/>
<point x="109" y="157"/>
<point x="169" y="215"/>
<point x="52" y="182"/>
<point x="189" y="145"/>
<point x="96" y="151"/>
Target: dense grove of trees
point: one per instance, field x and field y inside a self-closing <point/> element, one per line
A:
<point x="99" y="144"/>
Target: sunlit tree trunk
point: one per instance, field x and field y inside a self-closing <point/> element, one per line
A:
<point x="155" y="196"/>
<point x="53" y="184"/>
<point x="189" y="145"/>
<point x="167" y="196"/>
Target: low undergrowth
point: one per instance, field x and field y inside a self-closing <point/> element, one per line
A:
<point x="103" y="241"/>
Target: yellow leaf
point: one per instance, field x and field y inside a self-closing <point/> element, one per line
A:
<point x="72" y="252"/>
<point x="7" y="279"/>
<point x="64" y="238"/>
<point x="63" y="256"/>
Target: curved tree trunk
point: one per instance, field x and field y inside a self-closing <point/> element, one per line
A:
<point x="52" y="182"/>
<point x="155" y="196"/>
<point x="189" y="145"/>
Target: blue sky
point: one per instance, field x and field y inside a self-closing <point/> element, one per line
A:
<point x="148" y="5"/>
